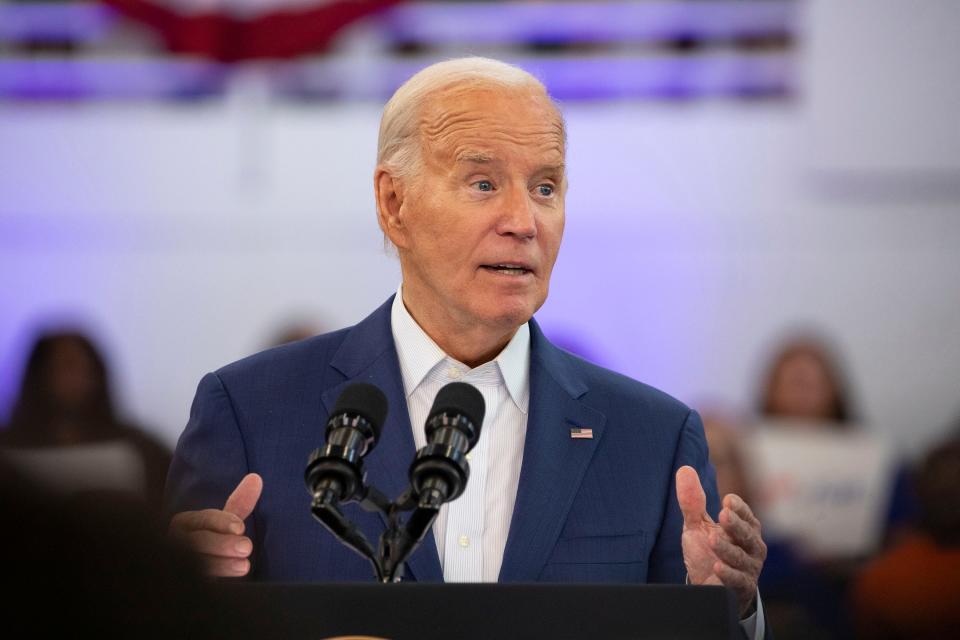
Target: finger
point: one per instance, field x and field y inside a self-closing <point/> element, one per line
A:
<point x="218" y="544"/>
<point x="734" y="556"/>
<point x="208" y="519"/>
<point x="226" y="567"/>
<point x="739" y="582"/>
<point x="690" y="495"/>
<point x="244" y="498"/>
<point x="738" y="504"/>
<point x="741" y="533"/>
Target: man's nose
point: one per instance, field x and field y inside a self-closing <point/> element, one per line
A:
<point x="519" y="214"/>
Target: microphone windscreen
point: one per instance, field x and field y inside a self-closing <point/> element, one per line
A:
<point x="365" y="400"/>
<point x="460" y="397"/>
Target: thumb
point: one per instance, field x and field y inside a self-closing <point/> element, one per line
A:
<point x="690" y="495"/>
<point x="244" y="498"/>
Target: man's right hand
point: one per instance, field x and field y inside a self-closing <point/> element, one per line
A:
<point x="218" y="535"/>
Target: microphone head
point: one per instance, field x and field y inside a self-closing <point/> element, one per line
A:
<point x="463" y="398"/>
<point x="365" y="400"/>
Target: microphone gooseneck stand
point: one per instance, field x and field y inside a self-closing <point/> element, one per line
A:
<point x="438" y="473"/>
<point x="396" y="543"/>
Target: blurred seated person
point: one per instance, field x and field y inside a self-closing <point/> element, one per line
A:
<point x="913" y="590"/>
<point x="804" y="385"/>
<point x="827" y="488"/>
<point x="64" y="432"/>
<point x="725" y="442"/>
<point x="805" y="410"/>
<point x="294" y="331"/>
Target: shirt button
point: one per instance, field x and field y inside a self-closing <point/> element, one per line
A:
<point x="453" y="373"/>
<point x="464" y="541"/>
<point x="469" y="457"/>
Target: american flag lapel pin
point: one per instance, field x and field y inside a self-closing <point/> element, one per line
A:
<point x="581" y="433"/>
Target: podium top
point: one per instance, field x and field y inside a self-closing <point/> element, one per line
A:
<point x="486" y="611"/>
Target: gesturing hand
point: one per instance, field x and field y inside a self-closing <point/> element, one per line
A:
<point x="730" y="552"/>
<point x="217" y="535"/>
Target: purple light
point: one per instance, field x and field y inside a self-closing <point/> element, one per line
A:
<point x="75" y="22"/>
<point x="610" y="77"/>
<point x="66" y="79"/>
<point x="435" y="22"/>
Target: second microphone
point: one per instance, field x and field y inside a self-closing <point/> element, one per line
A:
<point x="440" y="471"/>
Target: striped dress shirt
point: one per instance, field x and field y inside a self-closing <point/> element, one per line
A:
<point x="471" y="532"/>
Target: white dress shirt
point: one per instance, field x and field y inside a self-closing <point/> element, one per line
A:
<point x="471" y="532"/>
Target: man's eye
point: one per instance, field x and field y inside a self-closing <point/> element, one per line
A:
<point x="484" y="185"/>
<point x="545" y="190"/>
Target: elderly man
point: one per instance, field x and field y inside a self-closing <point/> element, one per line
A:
<point x="470" y="188"/>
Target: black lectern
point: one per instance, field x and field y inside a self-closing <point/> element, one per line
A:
<point x="413" y="611"/>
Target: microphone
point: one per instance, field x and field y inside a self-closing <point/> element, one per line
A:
<point x="439" y="471"/>
<point x="335" y="471"/>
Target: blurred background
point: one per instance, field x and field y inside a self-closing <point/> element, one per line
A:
<point x="185" y="182"/>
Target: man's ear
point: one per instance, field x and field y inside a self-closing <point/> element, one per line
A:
<point x="389" y="193"/>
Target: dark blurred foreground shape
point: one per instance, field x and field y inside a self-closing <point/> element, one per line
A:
<point x="64" y="430"/>
<point x="99" y="566"/>
<point x="913" y="589"/>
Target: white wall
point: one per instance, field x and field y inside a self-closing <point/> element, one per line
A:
<point x="696" y="234"/>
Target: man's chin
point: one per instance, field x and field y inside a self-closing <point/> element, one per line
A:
<point x="508" y="315"/>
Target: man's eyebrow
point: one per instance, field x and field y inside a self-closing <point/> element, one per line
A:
<point x="478" y="157"/>
<point x="558" y="168"/>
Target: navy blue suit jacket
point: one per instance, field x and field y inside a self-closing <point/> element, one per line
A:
<point x="587" y="510"/>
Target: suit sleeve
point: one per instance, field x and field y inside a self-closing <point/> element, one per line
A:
<point x="210" y="458"/>
<point x="666" y="558"/>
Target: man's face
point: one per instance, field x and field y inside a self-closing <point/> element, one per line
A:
<point x="482" y="222"/>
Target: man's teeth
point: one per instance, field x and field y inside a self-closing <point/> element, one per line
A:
<point x="506" y="268"/>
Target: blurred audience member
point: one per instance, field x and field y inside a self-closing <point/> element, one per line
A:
<point x="724" y="440"/>
<point x="806" y="387"/>
<point x="64" y="429"/>
<point x="830" y="489"/>
<point x="293" y="331"/>
<point x="804" y="384"/>
<point x="913" y="590"/>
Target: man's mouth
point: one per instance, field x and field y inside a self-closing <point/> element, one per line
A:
<point x="508" y="268"/>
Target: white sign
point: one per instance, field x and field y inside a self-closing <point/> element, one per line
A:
<point x="825" y="491"/>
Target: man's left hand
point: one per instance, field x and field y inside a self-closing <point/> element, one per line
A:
<point x="729" y="552"/>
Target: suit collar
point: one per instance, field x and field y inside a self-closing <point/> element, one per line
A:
<point x="365" y="343"/>
<point x="555" y="363"/>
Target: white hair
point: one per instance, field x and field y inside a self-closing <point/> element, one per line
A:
<point x="398" y="148"/>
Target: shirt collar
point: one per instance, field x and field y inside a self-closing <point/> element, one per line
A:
<point x="419" y="355"/>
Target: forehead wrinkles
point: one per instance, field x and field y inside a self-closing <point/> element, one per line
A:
<point x="452" y="131"/>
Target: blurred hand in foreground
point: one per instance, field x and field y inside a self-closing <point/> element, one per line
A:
<point x="217" y="534"/>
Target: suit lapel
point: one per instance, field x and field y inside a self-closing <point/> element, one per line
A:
<point x="553" y="463"/>
<point x="369" y="355"/>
